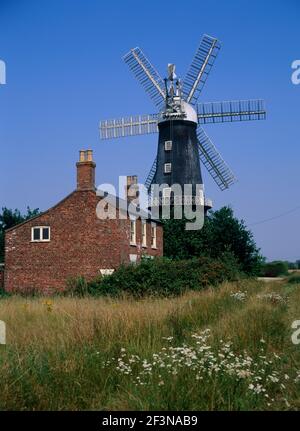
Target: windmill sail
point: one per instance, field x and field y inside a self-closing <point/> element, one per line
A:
<point x="213" y="161"/>
<point x="146" y="75"/>
<point x="129" y="126"/>
<point x="151" y="174"/>
<point x="200" y="68"/>
<point x="229" y="111"/>
<point x="178" y="115"/>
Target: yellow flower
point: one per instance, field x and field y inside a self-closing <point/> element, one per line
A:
<point x="49" y="304"/>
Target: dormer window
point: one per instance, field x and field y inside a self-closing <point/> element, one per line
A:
<point x="40" y="234"/>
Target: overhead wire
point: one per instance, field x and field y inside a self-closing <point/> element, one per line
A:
<point x="297" y="208"/>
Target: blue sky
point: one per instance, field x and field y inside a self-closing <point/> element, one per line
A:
<point x="65" y="73"/>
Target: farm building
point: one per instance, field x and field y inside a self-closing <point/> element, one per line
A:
<point x="70" y="240"/>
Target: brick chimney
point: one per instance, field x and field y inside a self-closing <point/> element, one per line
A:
<point x="86" y="170"/>
<point x="132" y="189"/>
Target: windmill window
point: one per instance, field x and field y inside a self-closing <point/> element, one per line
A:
<point x="132" y="232"/>
<point x="168" y="145"/>
<point x="167" y="192"/>
<point x="168" y="168"/>
<point x="40" y="234"/>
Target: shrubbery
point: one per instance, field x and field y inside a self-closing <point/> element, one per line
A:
<point x="274" y="269"/>
<point x="294" y="279"/>
<point x="222" y="232"/>
<point x="76" y="286"/>
<point x="10" y="218"/>
<point x="164" y="277"/>
<point x="3" y="293"/>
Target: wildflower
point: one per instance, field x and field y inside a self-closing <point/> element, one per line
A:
<point x="273" y="379"/>
<point x="243" y="374"/>
<point x="168" y="338"/>
<point x="203" y="360"/>
<point x="273" y="297"/>
<point x="49" y="304"/>
<point x="239" y="296"/>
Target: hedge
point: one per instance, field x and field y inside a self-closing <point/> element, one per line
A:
<point x="274" y="269"/>
<point x="163" y="277"/>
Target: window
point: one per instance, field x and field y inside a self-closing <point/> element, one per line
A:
<point x="144" y="234"/>
<point x="133" y="258"/>
<point x="200" y="200"/>
<point x="167" y="192"/>
<point x="168" y="168"/>
<point x="166" y="195"/>
<point x="40" y="234"/>
<point x="132" y="232"/>
<point x="106" y="271"/>
<point x="146" y="256"/>
<point x="168" y="145"/>
<point x="153" y="235"/>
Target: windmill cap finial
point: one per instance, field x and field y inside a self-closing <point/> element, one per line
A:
<point x="171" y="71"/>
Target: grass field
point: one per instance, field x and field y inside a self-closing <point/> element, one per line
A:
<point x="228" y="348"/>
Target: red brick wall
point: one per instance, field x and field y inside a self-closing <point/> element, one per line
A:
<point x="81" y="244"/>
<point x="86" y="175"/>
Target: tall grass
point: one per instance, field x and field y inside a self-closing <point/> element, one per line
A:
<point x="87" y="353"/>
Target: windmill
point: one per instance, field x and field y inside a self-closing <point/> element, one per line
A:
<point x="182" y="142"/>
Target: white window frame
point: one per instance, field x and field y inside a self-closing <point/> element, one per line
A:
<point x="41" y="234"/>
<point x="166" y="195"/>
<point x="153" y="237"/>
<point x="168" y="145"/>
<point x="167" y="168"/>
<point x="133" y="241"/>
<point x="133" y="258"/>
<point x="144" y="233"/>
<point x="167" y="192"/>
<point x="106" y="271"/>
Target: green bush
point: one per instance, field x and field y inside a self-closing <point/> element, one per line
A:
<point x="10" y="218"/>
<point x="274" y="269"/>
<point x="76" y="286"/>
<point x="164" y="277"/>
<point x="222" y="232"/>
<point x="3" y="293"/>
<point x="294" y="279"/>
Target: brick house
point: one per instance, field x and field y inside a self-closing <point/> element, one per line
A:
<point x="70" y="240"/>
